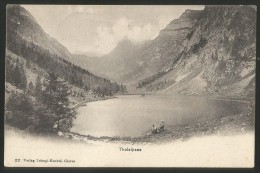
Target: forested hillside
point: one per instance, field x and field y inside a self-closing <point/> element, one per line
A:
<point x="26" y="39"/>
<point x="42" y="84"/>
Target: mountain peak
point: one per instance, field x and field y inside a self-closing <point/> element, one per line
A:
<point x="122" y="46"/>
<point x="190" y="13"/>
<point x="125" y="42"/>
<point x="179" y="28"/>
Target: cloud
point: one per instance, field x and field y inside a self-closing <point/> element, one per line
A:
<point x="120" y="28"/>
<point x="98" y="28"/>
<point x="80" y="9"/>
<point x="108" y="37"/>
<point x="141" y="33"/>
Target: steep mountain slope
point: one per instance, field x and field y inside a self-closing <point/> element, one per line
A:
<point x="120" y="62"/>
<point x="217" y="57"/>
<point x="208" y="52"/>
<point x="31" y="48"/>
<point x="129" y="62"/>
<point x="88" y="62"/>
<point x="23" y="26"/>
<point x="164" y="50"/>
<point x="122" y="59"/>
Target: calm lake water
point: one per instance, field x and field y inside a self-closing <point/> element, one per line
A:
<point x="134" y="115"/>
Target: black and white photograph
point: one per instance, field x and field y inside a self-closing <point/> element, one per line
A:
<point x="130" y="86"/>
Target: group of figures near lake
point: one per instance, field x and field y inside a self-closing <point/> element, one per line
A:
<point x="196" y="72"/>
<point x="159" y="129"/>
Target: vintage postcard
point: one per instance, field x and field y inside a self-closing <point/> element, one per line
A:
<point x="130" y="86"/>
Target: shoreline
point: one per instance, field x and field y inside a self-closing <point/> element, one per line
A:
<point x="211" y="97"/>
<point x="83" y="103"/>
<point x="229" y="125"/>
<point x="249" y="100"/>
<point x="226" y="125"/>
<point x="215" y="126"/>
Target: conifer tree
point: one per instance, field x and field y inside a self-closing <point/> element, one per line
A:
<point x="38" y="88"/>
<point x="55" y="97"/>
<point x="20" y="79"/>
<point x="20" y="106"/>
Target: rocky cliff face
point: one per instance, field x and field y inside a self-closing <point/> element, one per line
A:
<point x="179" y="28"/>
<point x="208" y="52"/>
<point x="130" y="62"/>
<point x="216" y="57"/>
<point x="160" y="54"/>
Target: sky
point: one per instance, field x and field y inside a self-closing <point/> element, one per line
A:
<point x="97" y="29"/>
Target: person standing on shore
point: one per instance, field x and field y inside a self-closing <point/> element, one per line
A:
<point x="161" y="126"/>
<point x="154" y="129"/>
